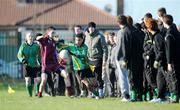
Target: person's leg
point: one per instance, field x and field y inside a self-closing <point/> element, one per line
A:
<point x="42" y="84"/>
<point x="123" y="81"/>
<point x="51" y="84"/>
<point x="67" y="82"/>
<point x="98" y="71"/>
<point x="161" y="83"/>
<point x="173" y="86"/>
<point x="37" y="80"/>
<point x="28" y="86"/>
<point x="112" y="79"/>
<point x="81" y="87"/>
<point x="117" y="84"/>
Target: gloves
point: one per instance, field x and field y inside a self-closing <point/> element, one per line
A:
<point x="156" y="64"/>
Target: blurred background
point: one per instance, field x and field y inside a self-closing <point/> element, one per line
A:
<point x="20" y="16"/>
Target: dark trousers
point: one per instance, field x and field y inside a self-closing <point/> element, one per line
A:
<point x="173" y="81"/>
<point x="162" y="81"/>
<point x="150" y="76"/>
<point x="98" y="72"/>
<point x="136" y="81"/>
<point x="178" y="78"/>
<point x="112" y="78"/>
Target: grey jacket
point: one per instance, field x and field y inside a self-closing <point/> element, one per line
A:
<point x="97" y="48"/>
<point x="111" y="55"/>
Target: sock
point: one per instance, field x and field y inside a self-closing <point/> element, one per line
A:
<point x="36" y="88"/>
<point x="155" y="93"/>
<point x="29" y="90"/>
<point x="96" y="93"/>
<point x="133" y="95"/>
<point x="148" y="97"/>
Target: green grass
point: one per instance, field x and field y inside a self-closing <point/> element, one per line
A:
<point x="20" y="101"/>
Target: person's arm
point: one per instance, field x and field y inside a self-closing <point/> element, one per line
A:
<point x="39" y="54"/>
<point x="126" y="47"/>
<point x="20" y="55"/>
<point x="81" y="55"/>
<point x="39" y="37"/>
<point x="104" y="48"/>
<point x="159" y="47"/>
<point x="169" y="48"/>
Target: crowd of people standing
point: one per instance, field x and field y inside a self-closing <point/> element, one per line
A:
<point x="141" y="62"/>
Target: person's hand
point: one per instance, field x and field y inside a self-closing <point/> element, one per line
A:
<point x="147" y="57"/>
<point x="123" y="64"/>
<point x="156" y="64"/>
<point x="170" y="67"/>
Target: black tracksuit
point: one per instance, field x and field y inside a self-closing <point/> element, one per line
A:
<point x="172" y="57"/>
<point x="149" y="57"/>
<point x="136" y="62"/>
<point x="161" y="58"/>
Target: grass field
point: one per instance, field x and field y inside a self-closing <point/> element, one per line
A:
<point x="20" y="101"/>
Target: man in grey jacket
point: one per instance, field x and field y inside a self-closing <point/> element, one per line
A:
<point x="123" y="55"/>
<point x="97" y="53"/>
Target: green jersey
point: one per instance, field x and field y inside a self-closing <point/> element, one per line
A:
<point x="30" y="54"/>
<point x="80" y="56"/>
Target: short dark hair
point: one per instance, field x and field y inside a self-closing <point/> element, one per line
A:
<point x="162" y="11"/>
<point x="121" y="19"/>
<point x="92" y="24"/>
<point x="80" y="35"/>
<point x="138" y="26"/>
<point x="168" y="19"/>
<point x="112" y="34"/>
<point x="148" y="15"/>
<point x="51" y="28"/>
<point x="79" y="26"/>
<point x="129" y="20"/>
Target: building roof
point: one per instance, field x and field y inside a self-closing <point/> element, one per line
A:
<point x="64" y="13"/>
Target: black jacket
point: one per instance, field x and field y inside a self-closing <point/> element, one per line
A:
<point x="160" y="49"/>
<point x="172" y="40"/>
<point x="148" y="47"/>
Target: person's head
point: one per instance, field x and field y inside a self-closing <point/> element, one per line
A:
<point x="79" y="38"/>
<point x="121" y="20"/>
<point x="50" y="30"/>
<point x="91" y="27"/>
<point x="77" y="29"/>
<point x="54" y="35"/>
<point x="147" y="16"/>
<point x="30" y="37"/>
<point x="130" y="20"/>
<point x="151" y="25"/>
<point x="138" y="26"/>
<point x="106" y="35"/>
<point x="160" y="13"/>
<point x="111" y="37"/>
<point x="167" y="21"/>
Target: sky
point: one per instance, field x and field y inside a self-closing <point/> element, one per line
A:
<point x="138" y="8"/>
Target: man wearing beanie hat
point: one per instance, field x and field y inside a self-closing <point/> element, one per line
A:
<point x="97" y="53"/>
